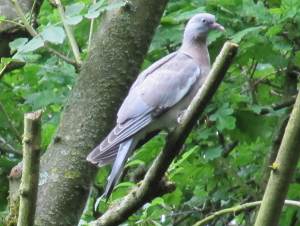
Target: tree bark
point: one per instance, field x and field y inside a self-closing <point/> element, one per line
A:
<point x="282" y="171"/>
<point x="115" y="58"/>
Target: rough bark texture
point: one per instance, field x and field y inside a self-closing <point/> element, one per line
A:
<point x="31" y="162"/>
<point x="14" y="197"/>
<point x="118" y="51"/>
<point x="282" y="171"/>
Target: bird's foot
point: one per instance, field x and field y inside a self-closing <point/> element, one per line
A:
<point x="180" y="117"/>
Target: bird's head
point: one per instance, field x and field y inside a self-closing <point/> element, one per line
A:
<point x="200" y="25"/>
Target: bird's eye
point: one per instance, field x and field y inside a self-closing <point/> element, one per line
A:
<point x="203" y="21"/>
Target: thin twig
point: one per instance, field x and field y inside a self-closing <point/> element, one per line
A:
<point x="69" y="33"/>
<point x="10" y="123"/>
<point x="12" y="22"/>
<point x="2" y="71"/>
<point x="275" y="107"/>
<point x="31" y="11"/>
<point x="148" y="188"/>
<point x="236" y="209"/>
<point x="91" y="31"/>
<point x="30" y="174"/>
<point x="252" y="88"/>
<point x="62" y="56"/>
<point x="34" y="33"/>
<point x="22" y="16"/>
<point x="6" y="147"/>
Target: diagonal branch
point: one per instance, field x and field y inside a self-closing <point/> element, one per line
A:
<point x="149" y="187"/>
<point x="236" y="209"/>
<point x="282" y="171"/>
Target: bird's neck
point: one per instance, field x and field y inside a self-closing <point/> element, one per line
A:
<point x="197" y="49"/>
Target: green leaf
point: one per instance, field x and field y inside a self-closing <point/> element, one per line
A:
<point x="44" y="98"/>
<point x="240" y="35"/>
<point x="72" y="13"/>
<point x="158" y="201"/>
<point x="54" y="34"/>
<point x="135" y="162"/>
<point x="183" y="158"/>
<point x="92" y="14"/>
<point x="96" y="9"/>
<point x="125" y="185"/>
<point x="34" y="44"/>
<point x="212" y="153"/>
<point x="17" y="44"/>
<point x="73" y="20"/>
<point x="74" y="9"/>
<point x="223" y="117"/>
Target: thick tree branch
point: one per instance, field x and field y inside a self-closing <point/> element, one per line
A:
<point x="30" y="175"/>
<point x="146" y="192"/>
<point x="119" y="47"/>
<point x="236" y="209"/>
<point x="282" y="171"/>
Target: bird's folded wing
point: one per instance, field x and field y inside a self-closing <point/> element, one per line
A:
<point x="161" y="88"/>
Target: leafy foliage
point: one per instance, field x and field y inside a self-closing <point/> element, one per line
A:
<point x="208" y="174"/>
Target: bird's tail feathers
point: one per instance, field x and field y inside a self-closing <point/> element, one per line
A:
<point x="99" y="158"/>
<point x="125" y="150"/>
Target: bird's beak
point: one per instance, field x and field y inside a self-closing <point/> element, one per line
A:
<point x="217" y="26"/>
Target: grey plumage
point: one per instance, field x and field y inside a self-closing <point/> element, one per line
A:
<point x="158" y="97"/>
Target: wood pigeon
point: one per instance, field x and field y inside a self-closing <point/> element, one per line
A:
<point x="158" y="97"/>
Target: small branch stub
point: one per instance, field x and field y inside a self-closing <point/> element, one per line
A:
<point x="30" y="174"/>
